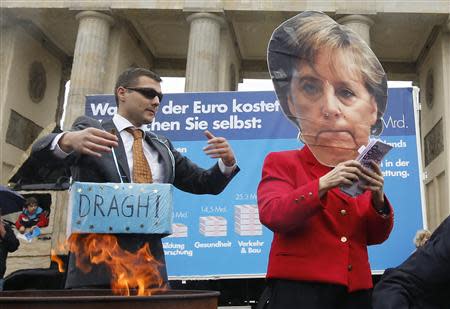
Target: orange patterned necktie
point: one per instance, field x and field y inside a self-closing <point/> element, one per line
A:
<point x="141" y="170"/>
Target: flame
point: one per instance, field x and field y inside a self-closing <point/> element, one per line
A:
<point x="58" y="260"/>
<point x="132" y="273"/>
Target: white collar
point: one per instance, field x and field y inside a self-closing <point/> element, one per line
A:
<point x="122" y="123"/>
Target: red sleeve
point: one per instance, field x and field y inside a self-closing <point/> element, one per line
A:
<point x="43" y="220"/>
<point x="284" y="206"/>
<point x="19" y="219"/>
<point x="379" y="226"/>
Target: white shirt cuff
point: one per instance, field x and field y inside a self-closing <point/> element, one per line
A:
<point x="54" y="147"/>
<point x="226" y="170"/>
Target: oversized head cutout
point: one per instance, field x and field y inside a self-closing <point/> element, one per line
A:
<point x="329" y="83"/>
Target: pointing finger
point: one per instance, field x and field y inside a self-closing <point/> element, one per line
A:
<point x="208" y="134"/>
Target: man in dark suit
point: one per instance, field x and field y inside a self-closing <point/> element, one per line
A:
<point x="423" y="280"/>
<point x="87" y="149"/>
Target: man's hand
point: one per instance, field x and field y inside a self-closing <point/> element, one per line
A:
<point x="90" y="141"/>
<point x="218" y="147"/>
<point x="345" y="173"/>
<point x="375" y="183"/>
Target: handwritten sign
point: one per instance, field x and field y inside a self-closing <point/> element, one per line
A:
<point x="120" y="208"/>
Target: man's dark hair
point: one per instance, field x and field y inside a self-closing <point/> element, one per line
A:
<point x="130" y="76"/>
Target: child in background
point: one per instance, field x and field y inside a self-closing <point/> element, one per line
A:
<point x="31" y="217"/>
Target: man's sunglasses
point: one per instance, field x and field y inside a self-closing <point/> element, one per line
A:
<point x="148" y="93"/>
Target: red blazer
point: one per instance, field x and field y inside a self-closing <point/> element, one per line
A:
<point x="322" y="240"/>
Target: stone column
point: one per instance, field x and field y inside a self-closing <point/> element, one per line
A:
<point x="203" y="53"/>
<point x="89" y="61"/>
<point x="447" y="25"/>
<point x="65" y="77"/>
<point x="359" y="24"/>
<point x="228" y="63"/>
<point x="7" y="42"/>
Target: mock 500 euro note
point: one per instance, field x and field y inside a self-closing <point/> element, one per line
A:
<point x="374" y="151"/>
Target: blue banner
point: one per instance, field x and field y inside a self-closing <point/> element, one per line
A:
<point x="220" y="236"/>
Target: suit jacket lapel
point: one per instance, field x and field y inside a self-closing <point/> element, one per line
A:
<point x="166" y="161"/>
<point x="119" y="150"/>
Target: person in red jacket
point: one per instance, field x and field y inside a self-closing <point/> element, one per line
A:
<point x="32" y="216"/>
<point x="333" y="88"/>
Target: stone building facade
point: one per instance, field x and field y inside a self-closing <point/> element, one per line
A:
<point x="214" y="44"/>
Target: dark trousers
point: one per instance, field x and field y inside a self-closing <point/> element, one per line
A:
<point x="287" y="294"/>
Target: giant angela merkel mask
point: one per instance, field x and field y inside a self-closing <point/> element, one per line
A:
<point x="329" y="83"/>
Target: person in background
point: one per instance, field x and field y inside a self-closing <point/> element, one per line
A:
<point x="422" y="281"/>
<point x="8" y="243"/>
<point x="421" y="238"/>
<point x="332" y="87"/>
<point x="32" y="216"/>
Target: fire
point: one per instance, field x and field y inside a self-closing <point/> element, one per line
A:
<point x="57" y="259"/>
<point x="132" y="273"/>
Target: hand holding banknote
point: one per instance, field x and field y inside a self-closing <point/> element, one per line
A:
<point x="370" y="158"/>
<point x="374" y="181"/>
<point x="349" y="173"/>
<point x="356" y="176"/>
<point x="345" y="173"/>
